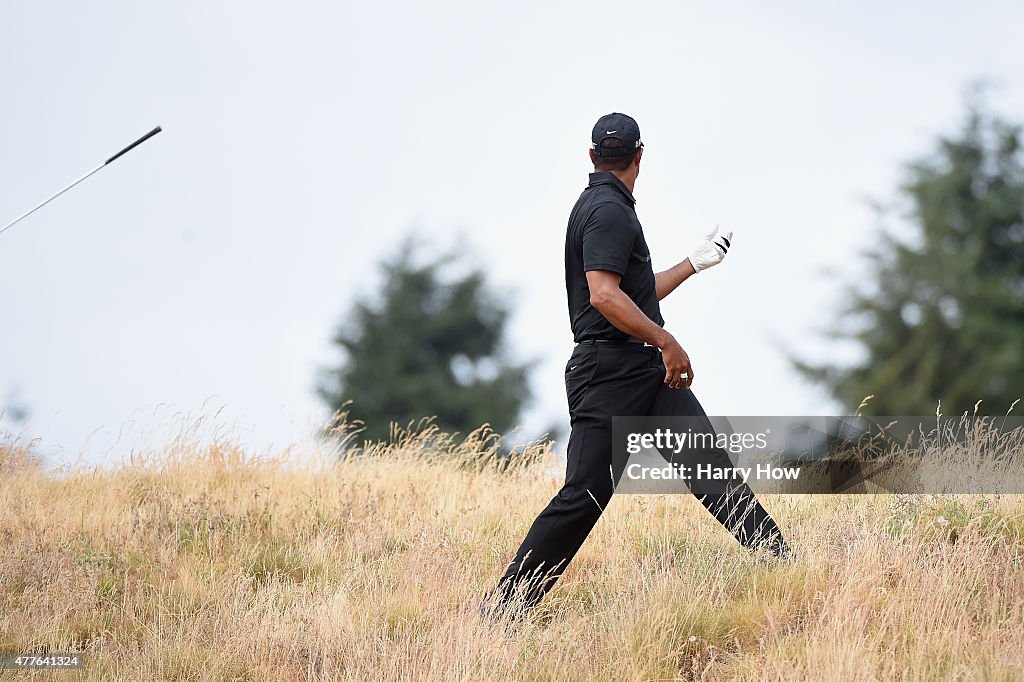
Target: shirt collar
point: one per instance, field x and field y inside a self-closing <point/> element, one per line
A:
<point x="608" y="178"/>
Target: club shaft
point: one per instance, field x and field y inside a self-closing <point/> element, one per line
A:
<point x="36" y="208"/>
<point x="124" y="151"/>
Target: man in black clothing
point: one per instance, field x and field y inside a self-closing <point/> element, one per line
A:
<point x="625" y="364"/>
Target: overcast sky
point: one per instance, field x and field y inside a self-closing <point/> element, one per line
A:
<point x="204" y="273"/>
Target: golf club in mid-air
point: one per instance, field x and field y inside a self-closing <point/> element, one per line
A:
<point x="113" y="158"/>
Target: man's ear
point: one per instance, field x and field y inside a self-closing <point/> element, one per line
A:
<point x="593" y="158"/>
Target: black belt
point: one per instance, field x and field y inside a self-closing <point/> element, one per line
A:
<point x="614" y="342"/>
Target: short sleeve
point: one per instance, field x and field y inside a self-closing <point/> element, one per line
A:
<point x="608" y="239"/>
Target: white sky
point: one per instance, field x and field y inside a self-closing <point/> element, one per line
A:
<point x="208" y="269"/>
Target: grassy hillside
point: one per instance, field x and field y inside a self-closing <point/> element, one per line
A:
<point x="201" y="562"/>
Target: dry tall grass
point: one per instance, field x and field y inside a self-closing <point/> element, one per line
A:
<point x="203" y="562"/>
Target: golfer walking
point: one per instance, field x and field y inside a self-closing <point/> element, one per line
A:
<point x="625" y="363"/>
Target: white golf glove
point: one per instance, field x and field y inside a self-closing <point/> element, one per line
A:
<point x="711" y="251"/>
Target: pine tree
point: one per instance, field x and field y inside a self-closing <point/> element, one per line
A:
<point x="431" y="346"/>
<point x="941" y="315"/>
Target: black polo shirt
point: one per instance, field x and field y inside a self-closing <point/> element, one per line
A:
<point x="604" y="234"/>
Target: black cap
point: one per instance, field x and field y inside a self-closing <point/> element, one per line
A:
<point x="619" y="127"/>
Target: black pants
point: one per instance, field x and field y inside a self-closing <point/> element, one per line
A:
<point x="602" y="381"/>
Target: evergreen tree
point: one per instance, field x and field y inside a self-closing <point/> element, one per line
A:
<point x="430" y="346"/>
<point x="941" y="315"/>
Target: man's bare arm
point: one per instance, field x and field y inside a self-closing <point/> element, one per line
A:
<point x="665" y="282"/>
<point x="612" y="302"/>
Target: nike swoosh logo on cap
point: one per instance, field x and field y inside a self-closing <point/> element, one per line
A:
<point x="611" y="132"/>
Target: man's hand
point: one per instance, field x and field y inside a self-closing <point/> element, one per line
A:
<point x="711" y="251"/>
<point x="677" y="363"/>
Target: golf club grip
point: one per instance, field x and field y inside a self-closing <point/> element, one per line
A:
<point x="133" y="145"/>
